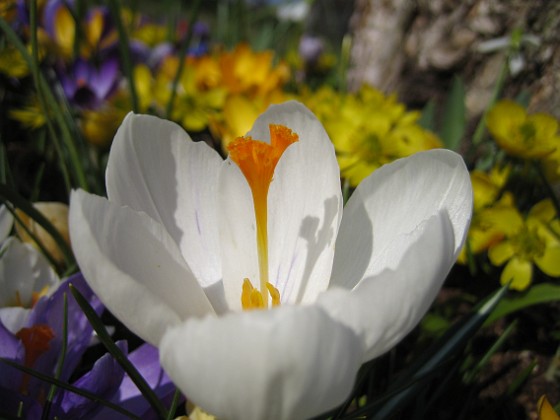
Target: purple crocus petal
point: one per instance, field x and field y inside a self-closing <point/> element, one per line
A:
<point x="146" y="360"/>
<point x="50" y="312"/>
<point x="103" y="380"/>
<point x="12" y="402"/>
<point x="11" y="349"/>
<point x="103" y="81"/>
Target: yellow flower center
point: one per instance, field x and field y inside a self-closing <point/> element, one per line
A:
<point x="528" y="244"/>
<point x="257" y="161"/>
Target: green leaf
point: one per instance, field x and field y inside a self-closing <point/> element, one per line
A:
<point x="428" y="116"/>
<point x="537" y="294"/>
<point x="454" y="116"/>
<point x="449" y="345"/>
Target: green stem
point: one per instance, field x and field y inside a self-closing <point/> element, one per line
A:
<point x="548" y="187"/>
<point x="182" y="54"/>
<point x="125" y="53"/>
<point x="481" y="127"/>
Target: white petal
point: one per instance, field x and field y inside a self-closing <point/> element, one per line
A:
<point x="237" y="233"/>
<point x="14" y="318"/>
<point x="385" y="307"/>
<point x="134" y="266"/>
<point x="305" y="207"/>
<point x="6" y="222"/>
<point x="304" y="211"/>
<point x="287" y="363"/>
<point x="386" y="210"/>
<point x="156" y="168"/>
<point x="23" y="270"/>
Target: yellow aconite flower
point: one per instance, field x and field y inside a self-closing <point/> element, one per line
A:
<point x="533" y="240"/>
<point x="244" y="70"/>
<point x="486" y="189"/>
<point x="369" y="130"/>
<point x="529" y="136"/>
<point x="194" y="103"/>
<point x="31" y="115"/>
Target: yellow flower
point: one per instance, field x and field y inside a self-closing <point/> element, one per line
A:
<point x="194" y="102"/>
<point x="8" y="10"/>
<point x="252" y="73"/>
<point x="546" y="412"/>
<point x="31" y="115"/>
<point x="520" y="134"/>
<point x="533" y="240"/>
<point x="369" y="130"/>
<point x="487" y="187"/>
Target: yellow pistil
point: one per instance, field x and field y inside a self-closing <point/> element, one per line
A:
<point x="257" y="161"/>
<point x="252" y="298"/>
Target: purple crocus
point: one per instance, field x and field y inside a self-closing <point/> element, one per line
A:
<point x="38" y="344"/>
<point x="87" y="85"/>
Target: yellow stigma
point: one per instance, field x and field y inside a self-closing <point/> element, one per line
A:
<point x="257" y="161"/>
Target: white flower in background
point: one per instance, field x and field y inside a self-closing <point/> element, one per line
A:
<point x="186" y="241"/>
<point x="25" y="276"/>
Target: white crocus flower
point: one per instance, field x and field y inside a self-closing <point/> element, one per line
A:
<point x="186" y="241"/>
<point x="25" y="276"/>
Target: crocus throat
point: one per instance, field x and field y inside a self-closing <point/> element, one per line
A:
<point x="257" y="161"/>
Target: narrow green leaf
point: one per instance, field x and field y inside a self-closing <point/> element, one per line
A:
<point x="67" y="387"/>
<point x="427" y="118"/>
<point x="112" y="348"/>
<point x="537" y="294"/>
<point x="448" y="345"/>
<point x="124" y="50"/>
<point x="454" y="116"/>
<point x="470" y="376"/>
<point x="182" y="54"/>
<point x="61" y="358"/>
<point x="521" y="378"/>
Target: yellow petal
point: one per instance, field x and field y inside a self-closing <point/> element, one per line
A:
<point x="544" y="211"/>
<point x="549" y="263"/>
<point x="546" y="412"/>
<point x="518" y="272"/>
<point x="500" y="253"/>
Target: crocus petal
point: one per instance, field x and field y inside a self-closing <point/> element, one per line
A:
<point x="304" y="211"/>
<point x="400" y="296"/>
<point x="156" y="168"/>
<point x="146" y="361"/>
<point x="385" y="212"/>
<point x="102" y="380"/>
<point x="265" y="364"/>
<point x="304" y="208"/>
<point x="133" y="265"/>
<point x="6" y="222"/>
<point x="23" y="270"/>
<point x="11" y="349"/>
<point x="237" y="233"/>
